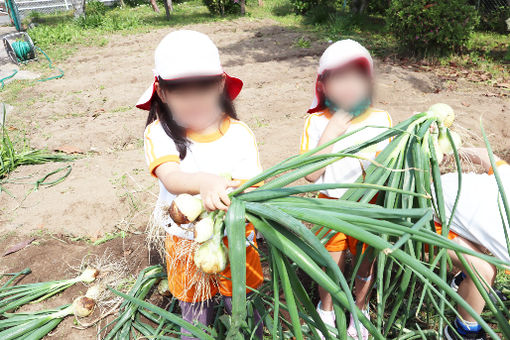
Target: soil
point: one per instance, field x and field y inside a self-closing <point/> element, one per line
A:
<point x="91" y="111"/>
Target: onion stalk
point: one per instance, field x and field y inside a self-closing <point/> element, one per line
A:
<point x="123" y="325"/>
<point x="13" y="297"/>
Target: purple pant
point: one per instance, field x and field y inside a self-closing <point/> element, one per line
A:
<point x="203" y="312"/>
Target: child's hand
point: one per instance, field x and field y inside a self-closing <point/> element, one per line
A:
<point x="339" y="122"/>
<point x="213" y="191"/>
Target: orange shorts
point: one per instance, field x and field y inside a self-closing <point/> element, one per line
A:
<point x="341" y="241"/>
<point x="180" y="272"/>
<point x="439" y="230"/>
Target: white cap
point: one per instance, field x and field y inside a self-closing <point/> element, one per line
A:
<point x="338" y="55"/>
<point x="187" y="54"/>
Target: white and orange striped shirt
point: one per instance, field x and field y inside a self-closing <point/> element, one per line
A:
<point x="346" y="170"/>
<point x="231" y="150"/>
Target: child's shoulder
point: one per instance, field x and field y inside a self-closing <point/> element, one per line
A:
<point x="381" y="114"/>
<point x="318" y="117"/>
<point x="155" y="131"/>
<point x="240" y="129"/>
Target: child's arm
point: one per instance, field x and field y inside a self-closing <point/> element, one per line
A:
<point x="212" y="188"/>
<point x="336" y="127"/>
<point x="479" y="156"/>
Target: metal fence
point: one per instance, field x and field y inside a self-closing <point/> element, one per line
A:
<point x="491" y="5"/>
<point x="45" y="6"/>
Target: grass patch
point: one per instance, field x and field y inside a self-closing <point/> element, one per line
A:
<point x="60" y="34"/>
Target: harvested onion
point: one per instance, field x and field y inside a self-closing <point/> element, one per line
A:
<point x="444" y="113"/>
<point x="88" y="275"/>
<point x="204" y="229"/>
<point x="185" y="209"/>
<point x="444" y="142"/>
<point x="83" y="306"/>
<point x="211" y="257"/>
<point x="163" y="288"/>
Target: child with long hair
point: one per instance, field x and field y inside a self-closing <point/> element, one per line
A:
<point x="342" y="103"/>
<point x="192" y="139"/>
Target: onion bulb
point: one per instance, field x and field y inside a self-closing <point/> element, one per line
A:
<point x="444" y="113"/>
<point x="444" y="142"/>
<point x="83" y="306"/>
<point x="163" y="288"/>
<point x="185" y="209"/>
<point x="88" y="275"/>
<point x="211" y="256"/>
<point x="204" y="229"/>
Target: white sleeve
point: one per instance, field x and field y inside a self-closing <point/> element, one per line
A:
<point x="159" y="147"/>
<point x="248" y="165"/>
<point x="311" y="134"/>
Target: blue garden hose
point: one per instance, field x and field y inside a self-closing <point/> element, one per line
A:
<point x="2" y="81"/>
<point x="23" y="49"/>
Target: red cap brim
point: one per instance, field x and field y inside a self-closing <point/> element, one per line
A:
<point x="233" y="87"/>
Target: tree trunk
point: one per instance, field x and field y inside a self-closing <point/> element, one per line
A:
<point x="79" y="8"/>
<point x="154" y="6"/>
<point x="122" y="4"/>
<point x="261" y="2"/>
<point x="168" y="8"/>
<point x="359" y="6"/>
<point x="243" y="6"/>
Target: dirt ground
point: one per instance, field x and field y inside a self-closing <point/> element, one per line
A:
<point x="91" y="110"/>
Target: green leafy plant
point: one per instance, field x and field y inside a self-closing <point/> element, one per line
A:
<point x="424" y="27"/>
<point x="222" y="7"/>
<point x="304" y="6"/>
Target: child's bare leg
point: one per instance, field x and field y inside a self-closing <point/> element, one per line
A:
<point x="363" y="282"/>
<point x="467" y="288"/>
<point x="326" y="299"/>
<point x="198" y="312"/>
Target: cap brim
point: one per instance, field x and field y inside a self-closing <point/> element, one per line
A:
<point x="233" y="87"/>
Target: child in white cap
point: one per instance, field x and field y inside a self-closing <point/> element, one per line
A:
<point x="192" y="139"/>
<point x="342" y="103"/>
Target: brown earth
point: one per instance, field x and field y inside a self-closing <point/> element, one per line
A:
<point x="91" y="110"/>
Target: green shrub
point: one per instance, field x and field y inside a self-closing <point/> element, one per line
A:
<point x="378" y="6"/>
<point x="493" y="20"/>
<point x="321" y="13"/>
<point x="303" y="6"/>
<point x="95" y="7"/>
<point x="424" y="27"/>
<point x="222" y="7"/>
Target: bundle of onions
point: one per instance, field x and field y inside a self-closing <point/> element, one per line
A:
<point x="36" y="325"/>
<point x="210" y="256"/>
<point x="13" y="297"/>
<point x="400" y="231"/>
